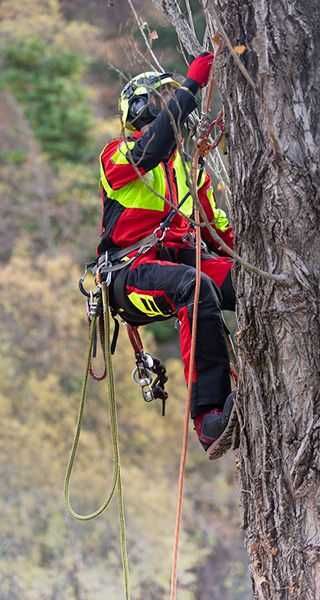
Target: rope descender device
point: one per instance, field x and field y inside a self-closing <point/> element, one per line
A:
<point x="149" y="373"/>
<point x="143" y="374"/>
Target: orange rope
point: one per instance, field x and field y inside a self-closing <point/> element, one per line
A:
<point x="217" y="46"/>
<point x="187" y="407"/>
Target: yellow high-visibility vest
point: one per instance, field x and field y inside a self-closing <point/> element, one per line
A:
<point x="149" y="190"/>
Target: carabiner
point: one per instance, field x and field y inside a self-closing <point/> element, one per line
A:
<point x="100" y="270"/>
<point x="163" y="231"/>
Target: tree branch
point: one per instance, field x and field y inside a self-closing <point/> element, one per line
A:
<point x="189" y="11"/>
<point x="143" y="33"/>
<point x="172" y="11"/>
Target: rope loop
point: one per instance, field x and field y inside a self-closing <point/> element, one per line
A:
<point x="116" y="483"/>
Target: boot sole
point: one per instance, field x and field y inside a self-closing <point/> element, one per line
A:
<point x="230" y="438"/>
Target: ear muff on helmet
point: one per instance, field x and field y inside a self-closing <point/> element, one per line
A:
<point x="134" y="103"/>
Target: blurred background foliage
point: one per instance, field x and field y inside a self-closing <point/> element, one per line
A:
<point x="47" y="82"/>
<point x="62" y="66"/>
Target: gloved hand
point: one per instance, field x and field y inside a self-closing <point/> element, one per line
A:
<point x="199" y="69"/>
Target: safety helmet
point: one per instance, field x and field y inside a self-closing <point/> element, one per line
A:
<point x="135" y="107"/>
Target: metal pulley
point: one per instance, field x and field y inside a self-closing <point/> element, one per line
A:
<point x="150" y="374"/>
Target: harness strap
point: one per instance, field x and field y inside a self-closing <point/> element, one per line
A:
<point x="106" y="265"/>
<point x="109" y="268"/>
<point x="148" y="241"/>
<point x="115" y="335"/>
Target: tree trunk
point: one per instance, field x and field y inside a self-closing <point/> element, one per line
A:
<point x="274" y="165"/>
<point x="272" y="120"/>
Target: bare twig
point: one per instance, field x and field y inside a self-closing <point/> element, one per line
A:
<point x="182" y="51"/>
<point x="142" y="57"/>
<point x="188" y="7"/>
<point x="172" y="10"/>
<point x="145" y="37"/>
<point x="116" y="69"/>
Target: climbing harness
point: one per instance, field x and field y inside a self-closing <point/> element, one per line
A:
<point x="149" y="373"/>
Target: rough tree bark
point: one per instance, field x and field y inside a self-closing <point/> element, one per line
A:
<point x="274" y="134"/>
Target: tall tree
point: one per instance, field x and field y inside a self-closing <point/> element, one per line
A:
<point x="270" y="88"/>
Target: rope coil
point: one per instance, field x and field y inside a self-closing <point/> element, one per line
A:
<point x="116" y="484"/>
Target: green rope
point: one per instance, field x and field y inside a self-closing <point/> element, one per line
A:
<point x="115" y="438"/>
<point x="116" y="479"/>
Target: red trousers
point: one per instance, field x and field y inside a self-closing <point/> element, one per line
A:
<point x="160" y="284"/>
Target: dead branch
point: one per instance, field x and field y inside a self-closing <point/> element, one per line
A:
<point x="145" y="37"/>
<point x="173" y="12"/>
<point x="191" y="23"/>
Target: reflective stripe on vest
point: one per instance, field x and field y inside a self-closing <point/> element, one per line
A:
<point x="220" y="219"/>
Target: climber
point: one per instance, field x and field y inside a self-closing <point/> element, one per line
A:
<point x="142" y="177"/>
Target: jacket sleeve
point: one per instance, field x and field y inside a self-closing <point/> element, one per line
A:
<point x="124" y="161"/>
<point x="217" y="218"/>
<point x="158" y="142"/>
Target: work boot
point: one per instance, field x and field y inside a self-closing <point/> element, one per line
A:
<point x="218" y="429"/>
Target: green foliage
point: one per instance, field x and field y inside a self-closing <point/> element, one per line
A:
<point x="164" y="331"/>
<point x="47" y="81"/>
<point x="17" y="156"/>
